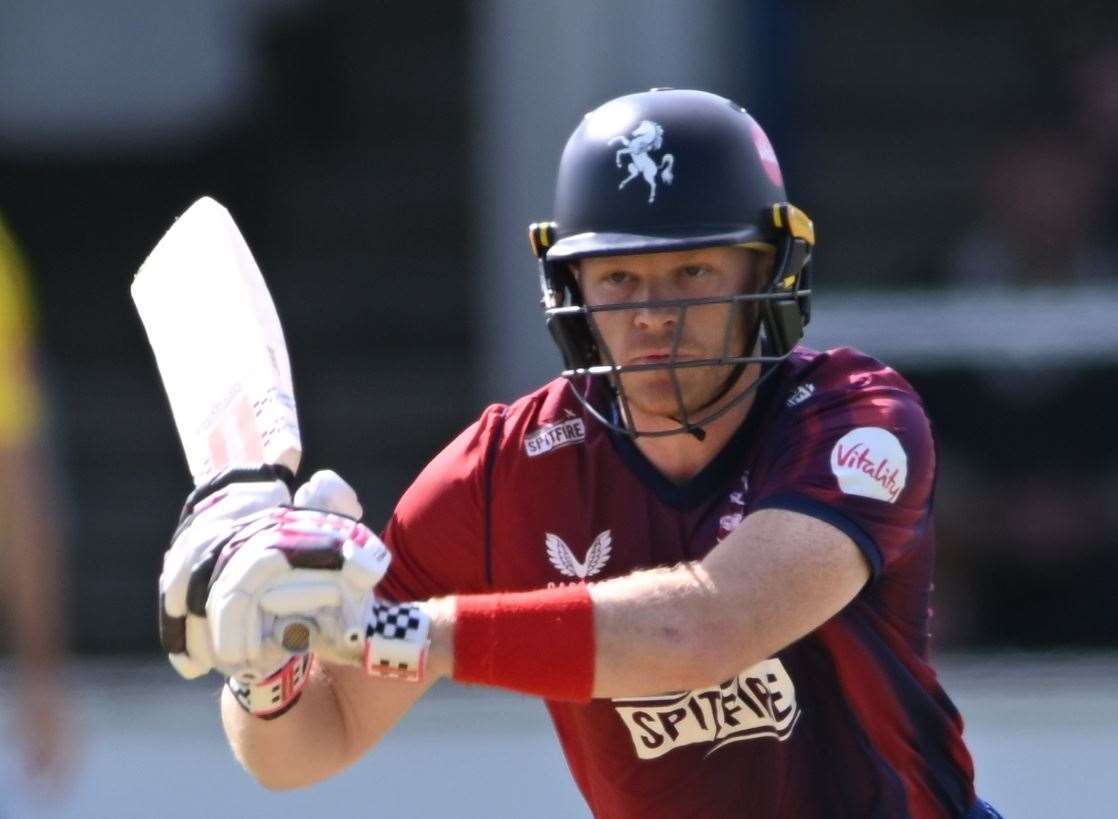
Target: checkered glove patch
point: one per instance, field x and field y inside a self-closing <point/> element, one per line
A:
<point x="396" y="642"/>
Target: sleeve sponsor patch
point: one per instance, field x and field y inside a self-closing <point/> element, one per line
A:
<point x="870" y="462"/>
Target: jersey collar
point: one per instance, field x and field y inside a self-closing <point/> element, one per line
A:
<point x="726" y="466"/>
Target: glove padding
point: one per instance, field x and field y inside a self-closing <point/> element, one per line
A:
<point x="306" y="568"/>
<point x="222" y="516"/>
<point x="213" y="515"/>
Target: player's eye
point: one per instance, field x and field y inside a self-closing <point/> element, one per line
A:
<point x="695" y="271"/>
<point x="617" y="277"/>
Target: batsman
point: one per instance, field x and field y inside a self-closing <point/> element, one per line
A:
<point x="707" y="547"/>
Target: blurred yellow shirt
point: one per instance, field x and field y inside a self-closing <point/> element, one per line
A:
<point x="19" y="401"/>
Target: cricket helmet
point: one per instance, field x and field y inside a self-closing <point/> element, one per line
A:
<point x="668" y="170"/>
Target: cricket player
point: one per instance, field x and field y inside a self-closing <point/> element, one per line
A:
<point x="706" y="547"/>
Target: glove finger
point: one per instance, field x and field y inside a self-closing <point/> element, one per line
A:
<point x="172" y="630"/>
<point x="227" y="615"/>
<point x="233" y="596"/>
<point x="201" y="574"/>
<point x="254" y="634"/>
<point x="250" y="570"/>
<point x="198" y="643"/>
<point x="178" y="563"/>
<point x="300" y="597"/>
<point x="327" y="490"/>
<point x="366" y="566"/>
<point x="188" y="667"/>
<point x="356" y="613"/>
<point x="173" y="582"/>
<point x="242" y="498"/>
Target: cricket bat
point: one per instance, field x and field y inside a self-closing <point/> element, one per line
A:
<point x="219" y="346"/>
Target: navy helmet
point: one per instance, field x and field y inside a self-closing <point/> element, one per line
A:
<point x="670" y="170"/>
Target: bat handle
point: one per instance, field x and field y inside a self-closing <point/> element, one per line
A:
<point x="295" y="634"/>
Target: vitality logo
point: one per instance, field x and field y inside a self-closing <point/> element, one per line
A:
<point x="870" y="462"/>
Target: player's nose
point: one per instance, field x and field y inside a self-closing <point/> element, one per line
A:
<point x="654" y="313"/>
<point x="651" y="319"/>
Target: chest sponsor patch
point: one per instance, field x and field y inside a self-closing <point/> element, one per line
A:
<point x="758" y="702"/>
<point x="870" y="462"/>
<point x="554" y="436"/>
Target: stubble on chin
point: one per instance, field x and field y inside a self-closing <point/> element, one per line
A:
<point x="652" y="393"/>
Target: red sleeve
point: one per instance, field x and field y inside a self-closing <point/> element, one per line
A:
<point x="858" y="454"/>
<point x="437" y="532"/>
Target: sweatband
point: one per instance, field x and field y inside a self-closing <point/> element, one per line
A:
<point x="538" y="642"/>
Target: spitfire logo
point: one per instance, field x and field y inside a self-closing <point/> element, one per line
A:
<point x="758" y="702"/>
<point x="569" y="430"/>
<point x="563" y="559"/>
<point x="646" y="138"/>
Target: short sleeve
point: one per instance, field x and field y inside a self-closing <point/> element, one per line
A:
<point x="437" y="532"/>
<point x="861" y="457"/>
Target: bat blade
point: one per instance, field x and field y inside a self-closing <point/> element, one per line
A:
<point x="219" y="346"/>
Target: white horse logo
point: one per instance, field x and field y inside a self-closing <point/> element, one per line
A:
<point x="646" y="137"/>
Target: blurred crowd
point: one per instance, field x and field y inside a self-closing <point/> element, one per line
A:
<point x="1048" y="197"/>
<point x="1029" y="530"/>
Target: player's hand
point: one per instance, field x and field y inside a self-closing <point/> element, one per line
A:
<point x="305" y="577"/>
<point x="215" y="516"/>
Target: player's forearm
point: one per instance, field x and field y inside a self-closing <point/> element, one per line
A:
<point x="305" y="745"/>
<point x="772" y="580"/>
<point x="652" y="631"/>
<point x="341" y="714"/>
<point x="666" y="629"/>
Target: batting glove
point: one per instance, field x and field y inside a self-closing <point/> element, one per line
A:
<point x="306" y="576"/>
<point x="220" y="514"/>
<point x="213" y="515"/>
<point x="307" y="582"/>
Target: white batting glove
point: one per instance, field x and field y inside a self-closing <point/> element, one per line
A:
<point x="307" y="583"/>
<point x="327" y="491"/>
<point x="304" y="582"/>
<point x="217" y="516"/>
<point x="212" y="516"/>
<point x="309" y="569"/>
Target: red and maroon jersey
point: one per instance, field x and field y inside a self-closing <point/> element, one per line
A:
<point x="849" y="720"/>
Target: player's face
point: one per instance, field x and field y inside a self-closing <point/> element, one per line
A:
<point x="645" y="335"/>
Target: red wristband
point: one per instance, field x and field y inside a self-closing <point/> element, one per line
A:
<point x="539" y="642"/>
